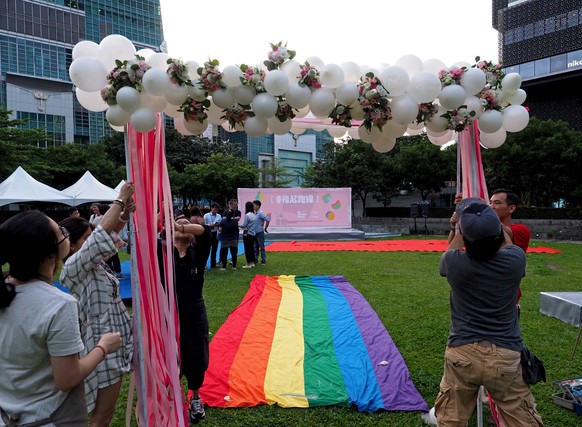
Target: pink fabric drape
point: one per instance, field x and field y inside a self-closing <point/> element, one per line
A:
<point x="471" y="166"/>
<point x="156" y="334"/>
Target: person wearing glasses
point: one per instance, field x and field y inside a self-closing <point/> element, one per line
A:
<point x="92" y="282"/>
<point x="40" y="365"/>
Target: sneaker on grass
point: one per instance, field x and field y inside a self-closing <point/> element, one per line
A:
<point x="196" y="410"/>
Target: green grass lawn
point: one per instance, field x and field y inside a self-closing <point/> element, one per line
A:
<point x="411" y="299"/>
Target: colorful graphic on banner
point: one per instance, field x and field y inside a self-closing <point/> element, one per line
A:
<point x="303" y="207"/>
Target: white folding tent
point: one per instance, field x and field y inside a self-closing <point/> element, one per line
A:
<point x="88" y="189"/>
<point x="21" y="187"/>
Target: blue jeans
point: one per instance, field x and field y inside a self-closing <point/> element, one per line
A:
<point x="260" y="247"/>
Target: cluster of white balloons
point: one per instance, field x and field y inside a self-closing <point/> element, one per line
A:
<point x="410" y="82"/>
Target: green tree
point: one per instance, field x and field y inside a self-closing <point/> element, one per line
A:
<point x="540" y="163"/>
<point x="276" y="175"/>
<point x="424" y="165"/>
<point x="218" y="178"/>
<point x="10" y="133"/>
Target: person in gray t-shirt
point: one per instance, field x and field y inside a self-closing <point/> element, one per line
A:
<point x="485" y="339"/>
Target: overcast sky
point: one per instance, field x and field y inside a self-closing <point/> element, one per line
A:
<point x="369" y="33"/>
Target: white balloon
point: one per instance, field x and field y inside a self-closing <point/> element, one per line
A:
<point x="474" y="104"/>
<point x="511" y="82"/>
<point x="297" y="131"/>
<point x="383" y="145"/>
<point x="515" y="118"/>
<point x="195" y="127"/>
<point x="244" y="95"/>
<point x="393" y="129"/>
<point x="493" y="140"/>
<point x="278" y="127"/>
<point x="88" y="73"/>
<point x="415" y="130"/>
<point x="117" y="128"/>
<point x="92" y="101"/>
<point x="226" y="126"/>
<point x="490" y="121"/>
<point x="145" y="53"/>
<point x="460" y="64"/>
<point x="176" y="94"/>
<point x="518" y="97"/>
<point x="223" y="98"/>
<point x="353" y="132"/>
<point x="347" y="93"/>
<point x="433" y="65"/>
<point x="143" y="120"/>
<point x="438" y="123"/>
<point x="86" y="48"/>
<point x="156" y="81"/>
<point x="351" y="71"/>
<point x="322" y="102"/>
<point x="336" y="131"/>
<point x="369" y="136"/>
<point x="117" y="116"/>
<point x="357" y="111"/>
<point x="128" y="98"/>
<point x="411" y="63"/>
<point x="473" y="80"/>
<point x="192" y="67"/>
<point x="215" y="115"/>
<point x="159" y="60"/>
<point x="292" y="69"/>
<point x="331" y="75"/>
<point x="315" y="61"/>
<point x="171" y="110"/>
<point x="231" y="76"/>
<point x="256" y="126"/>
<point x="452" y="96"/>
<point x="424" y="87"/>
<point x="276" y="82"/>
<point x="442" y="139"/>
<point x="298" y="96"/>
<point x="395" y="79"/>
<point x="196" y="92"/>
<point x="264" y="105"/>
<point x="155" y="103"/>
<point x="114" y="47"/>
<point x="404" y="109"/>
<point x="302" y="112"/>
<point x="179" y="126"/>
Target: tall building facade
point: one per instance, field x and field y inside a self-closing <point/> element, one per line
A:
<point x="542" y="41"/>
<point x="36" y="43"/>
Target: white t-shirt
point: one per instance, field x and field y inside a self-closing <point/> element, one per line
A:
<point x="41" y="321"/>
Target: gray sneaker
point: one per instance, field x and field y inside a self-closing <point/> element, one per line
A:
<point x="196" y="410"/>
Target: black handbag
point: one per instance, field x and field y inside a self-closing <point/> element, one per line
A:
<point x="532" y="367"/>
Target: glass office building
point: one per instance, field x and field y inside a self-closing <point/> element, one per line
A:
<point x="36" y="43"/>
<point x="542" y="41"/>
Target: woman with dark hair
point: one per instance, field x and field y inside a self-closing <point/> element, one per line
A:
<point x="42" y="373"/>
<point x="249" y="239"/>
<point x="228" y="229"/>
<point x="102" y="310"/>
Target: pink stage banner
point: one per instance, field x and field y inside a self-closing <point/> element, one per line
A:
<point x="302" y="207"/>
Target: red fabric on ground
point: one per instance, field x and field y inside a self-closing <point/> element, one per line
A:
<point x="377" y="246"/>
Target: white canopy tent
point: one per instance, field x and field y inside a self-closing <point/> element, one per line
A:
<point x="88" y="189"/>
<point x="118" y="188"/>
<point x="21" y="187"/>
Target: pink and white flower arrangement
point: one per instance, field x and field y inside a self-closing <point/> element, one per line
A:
<point x="374" y="101"/>
<point x="126" y="73"/>
<point x="236" y="115"/>
<point x="178" y="72"/>
<point x="194" y="110"/>
<point x="449" y="76"/>
<point x="341" y="115"/>
<point x="426" y="112"/>
<point x="211" y="76"/>
<point x="284" y="110"/>
<point x="460" y="118"/>
<point x="493" y="71"/>
<point x="309" y="76"/>
<point x="278" y="55"/>
<point x="490" y="99"/>
<point x="254" y="77"/>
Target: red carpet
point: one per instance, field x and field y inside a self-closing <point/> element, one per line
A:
<point x="378" y="246"/>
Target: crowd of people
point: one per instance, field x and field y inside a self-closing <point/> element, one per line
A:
<point x="65" y="355"/>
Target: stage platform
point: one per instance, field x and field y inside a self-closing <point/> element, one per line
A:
<point x="313" y="234"/>
<point x="566" y="306"/>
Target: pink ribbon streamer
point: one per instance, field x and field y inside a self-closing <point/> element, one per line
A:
<point x="156" y="327"/>
<point x="474" y="184"/>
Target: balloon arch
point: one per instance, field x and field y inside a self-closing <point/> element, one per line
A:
<point x="479" y="102"/>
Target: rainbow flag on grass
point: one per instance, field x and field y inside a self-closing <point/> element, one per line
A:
<point x="302" y="341"/>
